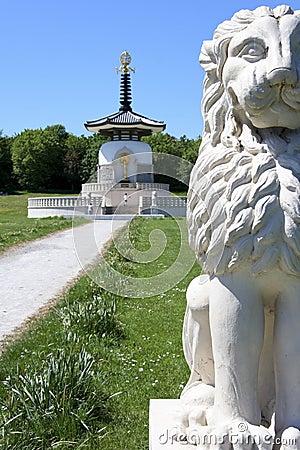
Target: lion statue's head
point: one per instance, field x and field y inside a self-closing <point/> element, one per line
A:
<point x="244" y="189"/>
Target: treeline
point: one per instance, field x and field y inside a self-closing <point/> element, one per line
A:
<point x="53" y="159"/>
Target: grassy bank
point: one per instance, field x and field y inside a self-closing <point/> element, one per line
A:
<point x="15" y="227"/>
<point x="82" y="376"/>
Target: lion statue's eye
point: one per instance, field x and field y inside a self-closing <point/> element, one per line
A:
<point x="253" y="52"/>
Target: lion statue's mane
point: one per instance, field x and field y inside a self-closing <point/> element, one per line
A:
<point x="236" y="210"/>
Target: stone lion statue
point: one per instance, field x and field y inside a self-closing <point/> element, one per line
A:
<point x="241" y="330"/>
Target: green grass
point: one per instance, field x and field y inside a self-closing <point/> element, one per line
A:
<point x="16" y="228"/>
<point x="82" y="376"/>
<point x="181" y="193"/>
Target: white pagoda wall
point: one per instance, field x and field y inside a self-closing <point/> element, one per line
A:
<point x="140" y="155"/>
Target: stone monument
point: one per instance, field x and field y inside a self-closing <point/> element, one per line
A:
<point x="125" y="165"/>
<point x="240" y="336"/>
<point x="125" y="162"/>
<point x="125" y="158"/>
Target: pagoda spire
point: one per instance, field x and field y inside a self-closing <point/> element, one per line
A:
<point x="125" y="124"/>
<point x="125" y="86"/>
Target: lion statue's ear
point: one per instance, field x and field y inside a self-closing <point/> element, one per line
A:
<point x="213" y="56"/>
<point x="214" y="104"/>
<point x="207" y="57"/>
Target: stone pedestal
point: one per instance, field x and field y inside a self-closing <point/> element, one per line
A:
<point x="163" y="416"/>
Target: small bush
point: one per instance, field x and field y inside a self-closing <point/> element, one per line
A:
<point x="56" y="403"/>
<point x="97" y="315"/>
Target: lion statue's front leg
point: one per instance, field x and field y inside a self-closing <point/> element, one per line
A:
<point x="232" y="349"/>
<point x="222" y="398"/>
<point x="198" y="395"/>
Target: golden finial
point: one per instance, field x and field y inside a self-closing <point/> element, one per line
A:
<point x="124" y="160"/>
<point x="125" y="59"/>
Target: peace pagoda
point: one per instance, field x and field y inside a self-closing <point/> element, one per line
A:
<point x="125" y="163"/>
<point x="123" y="183"/>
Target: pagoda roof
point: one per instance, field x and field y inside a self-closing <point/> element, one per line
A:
<point x="125" y="120"/>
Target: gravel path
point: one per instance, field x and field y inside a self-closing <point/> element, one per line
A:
<point x="34" y="273"/>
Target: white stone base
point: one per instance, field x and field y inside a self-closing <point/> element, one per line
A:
<point x="124" y="217"/>
<point x="41" y="213"/>
<point x="163" y="417"/>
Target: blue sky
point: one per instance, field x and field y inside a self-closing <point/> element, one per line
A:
<point x="59" y="58"/>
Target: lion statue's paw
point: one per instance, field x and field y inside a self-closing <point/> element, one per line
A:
<point x="196" y="402"/>
<point x="290" y="439"/>
<point x="237" y="435"/>
<point x="244" y="435"/>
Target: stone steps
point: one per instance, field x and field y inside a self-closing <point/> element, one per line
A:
<point x="126" y="210"/>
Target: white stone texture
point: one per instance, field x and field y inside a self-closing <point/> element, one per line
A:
<point x="163" y="435"/>
<point x="172" y="205"/>
<point x="140" y="155"/>
<point x="242" y="319"/>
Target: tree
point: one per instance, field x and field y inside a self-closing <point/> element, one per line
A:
<point x="54" y="159"/>
<point x="184" y="148"/>
<point x="6" y="166"/>
<point x="190" y="148"/>
<point x="38" y="157"/>
<point x="76" y="148"/>
<point x="90" y="159"/>
<point x="163" y="143"/>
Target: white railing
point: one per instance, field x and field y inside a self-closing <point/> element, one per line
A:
<point x="96" y="187"/>
<point x="153" y="186"/>
<point x="125" y="185"/>
<point x="63" y="202"/>
<point x="165" y="202"/>
<point x="168" y="206"/>
<point x="105" y="187"/>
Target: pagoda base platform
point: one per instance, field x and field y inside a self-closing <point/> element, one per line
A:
<point x="124" y="217"/>
<point x="140" y="199"/>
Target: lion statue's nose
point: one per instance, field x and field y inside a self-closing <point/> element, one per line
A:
<point x="282" y="75"/>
